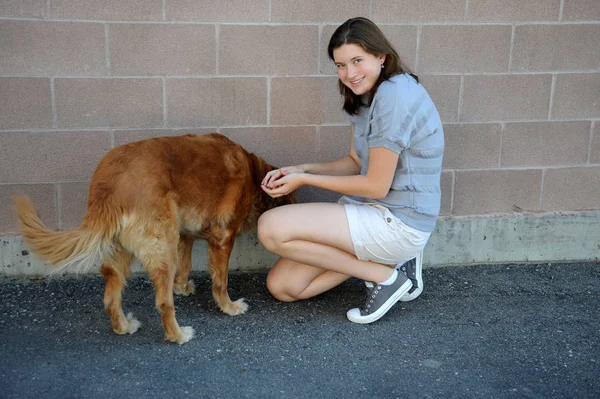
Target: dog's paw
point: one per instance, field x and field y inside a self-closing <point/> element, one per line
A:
<point x="127" y="326"/>
<point x="132" y="324"/>
<point x="187" y="333"/>
<point x="185" y="289"/>
<point x="236" y="307"/>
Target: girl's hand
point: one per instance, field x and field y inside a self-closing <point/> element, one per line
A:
<point x="276" y="174"/>
<point x="284" y="184"/>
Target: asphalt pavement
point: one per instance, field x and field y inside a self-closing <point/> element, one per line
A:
<point x="493" y="331"/>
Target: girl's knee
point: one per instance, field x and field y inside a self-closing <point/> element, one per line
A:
<point x="277" y="288"/>
<point x="282" y="296"/>
<point x="266" y="231"/>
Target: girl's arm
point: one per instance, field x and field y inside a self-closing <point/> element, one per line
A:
<point x="375" y="184"/>
<point x="340" y="167"/>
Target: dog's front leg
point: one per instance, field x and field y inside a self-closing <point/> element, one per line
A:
<point x="220" y="245"/>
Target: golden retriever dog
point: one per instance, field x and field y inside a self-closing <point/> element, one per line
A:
<point x="150" y="200"/>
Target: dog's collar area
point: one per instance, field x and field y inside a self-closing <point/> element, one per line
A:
<point x="269" y="200"/>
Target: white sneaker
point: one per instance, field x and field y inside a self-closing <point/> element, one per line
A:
<point x="379" y="300"/>
<point x="413" y="269"/>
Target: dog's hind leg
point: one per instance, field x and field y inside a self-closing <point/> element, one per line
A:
<point x="114" y="273"/>
<point x="158" y="253"/>
<point x="183" y="286"/>
<point x="162" y="273"/>
<point x="220" y="245"/>
<point x="153" y="237"/>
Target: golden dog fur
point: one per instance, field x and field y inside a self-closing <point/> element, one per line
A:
<point x="151" y="199"/>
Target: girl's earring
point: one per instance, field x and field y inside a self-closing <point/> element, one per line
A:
<point x="381" y="66"/>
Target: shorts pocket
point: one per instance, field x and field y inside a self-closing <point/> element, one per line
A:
<point x="408" y="234"/>
<point x="388" y="218"/>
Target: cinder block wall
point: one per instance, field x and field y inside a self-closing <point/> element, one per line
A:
<point x="517" y="84"/>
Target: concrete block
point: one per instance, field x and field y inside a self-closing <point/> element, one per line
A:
<point x="20" y="8"/>
<point x="306" y="100"/>
<point x="469" y="48"/>
<point x="25" y="103"/>
<point x="110" y="102"/>
<point x="576" y="96"/>
<point x="107" y="10"/>
<point x="494" y="191"/>
<point x="545" y="143"/>
<point x="264" y="49"/>
<point x="513" y="10"/>
<point x="576" y="188"/>
<point x="444" y="90"/>
<point x="333" y="142"/>
<point x="157" y="49"/>
<point x="417" y="11"/>
<point x="317" y="10"/>
<point x="32" y="157"/>
<point x="209" y="11"/>
<point x="447" y="186"/>
<point x="52" y="48"/>
<point x="581" y="10"/>
<point x="556" y="48"/>
<point x="216" y="101"/>
<point x="472" y="146"/>
<point x="505" y="97"/>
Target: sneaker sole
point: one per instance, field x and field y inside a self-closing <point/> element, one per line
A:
<point x="419" y="277"/>
<point x="384" y="308"/>
<point x="413" y="295"/>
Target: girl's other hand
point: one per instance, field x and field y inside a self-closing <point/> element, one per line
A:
<point x="284" y="184"/>
<point x="277" y="174"/>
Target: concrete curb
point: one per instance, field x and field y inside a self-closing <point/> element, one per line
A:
<point x="564" y="237"/>
<point x="551" y="237"/>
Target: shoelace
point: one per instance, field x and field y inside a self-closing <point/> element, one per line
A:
<point x="371" y="292"/>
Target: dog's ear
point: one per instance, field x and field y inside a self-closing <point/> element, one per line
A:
<point x="259" y="168"/>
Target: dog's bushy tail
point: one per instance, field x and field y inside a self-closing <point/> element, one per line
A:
<point x="75" y="250"/>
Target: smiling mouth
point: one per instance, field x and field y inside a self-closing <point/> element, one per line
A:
<point x="357" y="81"/>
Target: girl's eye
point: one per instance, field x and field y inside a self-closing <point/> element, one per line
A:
<point x="339" y="66"/>
<point x="357" y="61"/>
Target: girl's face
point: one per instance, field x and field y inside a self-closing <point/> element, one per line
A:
<point x="357" y="69"/>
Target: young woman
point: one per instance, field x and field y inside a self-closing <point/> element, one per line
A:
<point x="390" y="181"/>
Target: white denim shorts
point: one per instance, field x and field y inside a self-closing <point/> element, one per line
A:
<point x="379" y="236"/>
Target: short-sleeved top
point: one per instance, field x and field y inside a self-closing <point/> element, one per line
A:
<point x="403" y="119"/>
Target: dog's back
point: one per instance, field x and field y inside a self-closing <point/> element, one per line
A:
<point x="206" y="177"/>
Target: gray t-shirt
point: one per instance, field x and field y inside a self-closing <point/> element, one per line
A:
<point x="403" y="119"/>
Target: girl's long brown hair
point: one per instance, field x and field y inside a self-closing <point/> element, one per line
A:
<point x="366" y="34"/>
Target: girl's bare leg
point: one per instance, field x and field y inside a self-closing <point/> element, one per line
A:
<point x="316" y="249"/>
<point x="289" y="281"/>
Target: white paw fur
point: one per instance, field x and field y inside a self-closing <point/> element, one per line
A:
<point x="187" y="333"/>
<point x="132" y="324"/>
<point x="237" y="307"/>
<point x="187" y="289"/>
